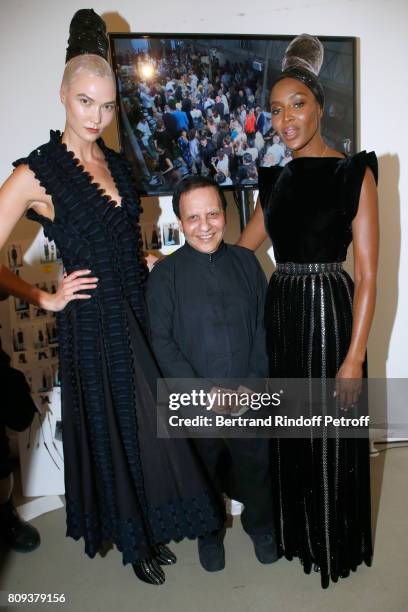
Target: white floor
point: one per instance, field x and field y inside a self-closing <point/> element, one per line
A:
<point x="102" y="584"/>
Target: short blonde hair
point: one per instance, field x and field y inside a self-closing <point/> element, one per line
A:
<point x="87" y="62"/>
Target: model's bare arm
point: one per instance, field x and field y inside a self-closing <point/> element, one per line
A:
<point x="254" y="233"/>
<point x="365" y="248"/>
<point x="16" y="195"/>
<point x="21" y="191"/>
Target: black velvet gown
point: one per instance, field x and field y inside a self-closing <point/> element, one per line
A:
<point x="321" y="486"/>
<point x="123" y="484"/>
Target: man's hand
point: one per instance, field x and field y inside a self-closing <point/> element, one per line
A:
<point x="220" y="407"/>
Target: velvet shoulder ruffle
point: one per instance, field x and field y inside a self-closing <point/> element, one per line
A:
<point x="354" y="169"/>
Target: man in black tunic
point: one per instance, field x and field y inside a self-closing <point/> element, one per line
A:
<point x="206" y="305"/>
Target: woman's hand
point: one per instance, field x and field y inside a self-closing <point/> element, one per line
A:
<point x="349" y="384"/>
<point x="68" y="288"/>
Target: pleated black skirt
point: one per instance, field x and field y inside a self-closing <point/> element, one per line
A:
<point x="124" y="484"/>
<point x="321" y="484"/>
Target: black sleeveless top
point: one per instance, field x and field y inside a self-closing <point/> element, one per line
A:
<point x="310" y="203"/>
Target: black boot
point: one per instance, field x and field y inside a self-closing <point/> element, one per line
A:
<point x="149" y="571"/>
<point x="211" y="551"/>
<point x="163" y="555"/>
<point x="16" y="533"/>
<point x="265" y="547"/>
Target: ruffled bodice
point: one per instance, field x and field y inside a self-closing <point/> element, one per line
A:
<point x="90" y="231"/>
<point x="309" y="206"/>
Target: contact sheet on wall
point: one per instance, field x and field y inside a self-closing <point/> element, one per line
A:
<point x="158" y="235"/>
<point x="29" y="335"/>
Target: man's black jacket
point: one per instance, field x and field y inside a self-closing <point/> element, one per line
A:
<point x="206" y="314"/>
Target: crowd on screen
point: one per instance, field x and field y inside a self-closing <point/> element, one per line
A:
<point x="190" y="118"/>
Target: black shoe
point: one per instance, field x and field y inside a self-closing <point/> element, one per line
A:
<point x="211" y="551"/>
<point x="265" y="548"/>
<point x="149" y="571"/>
<point x="16" y="533"/>
<point x="163" y="555"/>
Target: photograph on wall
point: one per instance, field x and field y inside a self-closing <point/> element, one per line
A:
<point x="44" y="380"/>
<point x="15" y="256"/>
<point x="48" y="252"/>
<point x="22" y="358"/>
<point x="171" y="234"/>
<point x="20" y="306"/>
<point x="19" y="339"/>
<point x="40" y="337"/>
<point x="151" y="235"/>
<point x="200" y="105"/>
<point x="24" y="315"/>
<point x="52" y="333"/>
<point x="56" y="381"/>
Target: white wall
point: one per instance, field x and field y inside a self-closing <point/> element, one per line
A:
<point x="33" y="36"/>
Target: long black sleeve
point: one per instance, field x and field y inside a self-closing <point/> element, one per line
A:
<point x="258" y="359"/>
<point x="160" y="297"/>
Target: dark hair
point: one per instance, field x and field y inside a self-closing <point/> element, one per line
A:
<point x="307" y="78"/>
<point x="191" y="183"/>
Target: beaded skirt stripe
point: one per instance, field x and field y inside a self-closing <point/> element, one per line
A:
<point x="321" y="486"/>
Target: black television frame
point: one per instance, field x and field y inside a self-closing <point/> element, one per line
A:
<point x="236" y="188"/>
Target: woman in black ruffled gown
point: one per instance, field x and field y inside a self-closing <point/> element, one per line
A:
<point x="123" y="484"/>
<point x="318" y="322"/>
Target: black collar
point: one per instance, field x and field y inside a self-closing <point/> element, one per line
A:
<point x="206" y="257"/>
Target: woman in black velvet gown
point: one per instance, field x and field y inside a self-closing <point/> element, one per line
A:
<point x="123" y="484"/>
<point x="318" y="322"/>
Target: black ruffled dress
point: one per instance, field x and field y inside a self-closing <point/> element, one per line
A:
<point x="123" y="484"/>
<point x="321" y="486"/>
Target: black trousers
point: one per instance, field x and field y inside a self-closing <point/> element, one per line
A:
<point x="17" y="409"/>
<point x="5" y="463"/>
<point x="241" y="469"/>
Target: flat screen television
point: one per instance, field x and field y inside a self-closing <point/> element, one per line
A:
<point x="190" y="103"/>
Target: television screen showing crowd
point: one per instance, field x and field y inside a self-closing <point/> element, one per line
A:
<point x="201" y="106"/>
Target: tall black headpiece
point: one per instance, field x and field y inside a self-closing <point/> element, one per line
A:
<point x="302" y="61"/>
<point x="87" y="34"/>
